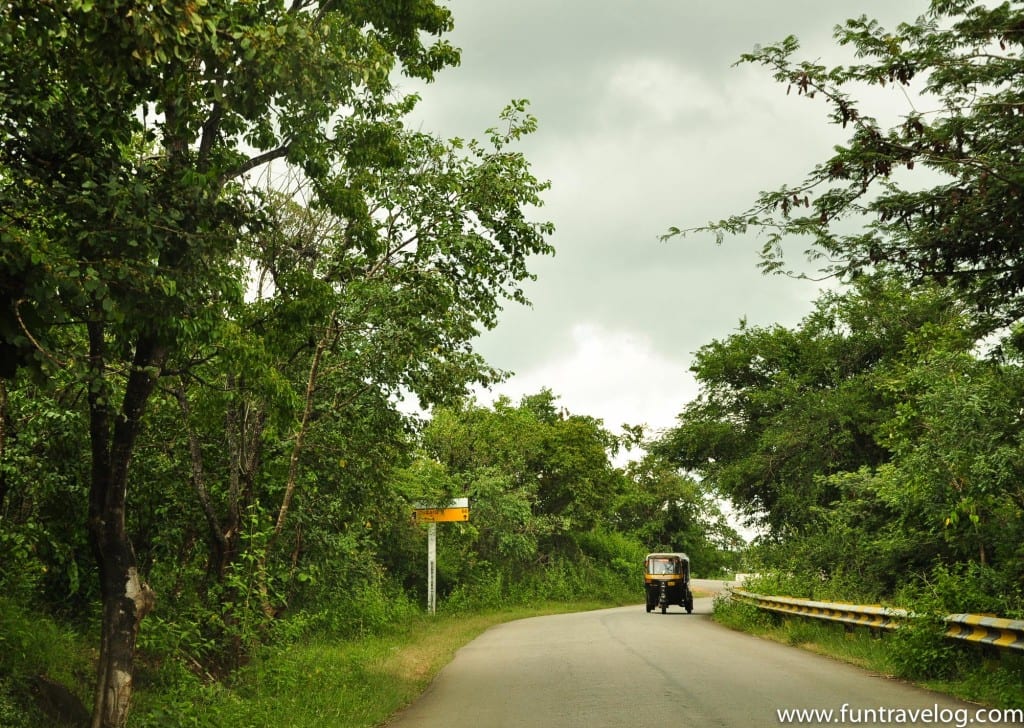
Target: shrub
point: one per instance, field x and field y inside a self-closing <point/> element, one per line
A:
<point x="32" y="645"/>
<point x="966" y="587"/>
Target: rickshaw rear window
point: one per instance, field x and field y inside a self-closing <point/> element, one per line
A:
<point x="664" y="566"/>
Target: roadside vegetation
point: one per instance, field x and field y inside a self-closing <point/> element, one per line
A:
<point x="306" y="682"/>
<point x="876" y="447"/>
<point x="554" y="526"/>
<point x="920" y="655"/>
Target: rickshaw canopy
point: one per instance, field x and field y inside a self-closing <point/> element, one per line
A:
<point x="667" y="563"/>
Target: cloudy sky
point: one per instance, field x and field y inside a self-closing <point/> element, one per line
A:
<point x="644" y="123"/>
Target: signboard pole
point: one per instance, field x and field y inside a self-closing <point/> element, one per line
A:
<point x="432" y="514"/>
<point x="431" y="568"/>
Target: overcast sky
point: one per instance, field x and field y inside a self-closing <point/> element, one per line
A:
<point x="644" y="123"/>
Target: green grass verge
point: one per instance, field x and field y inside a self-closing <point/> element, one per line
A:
<point x="308" y="684"/>
<point x="32" y="646"/>
<point x="979" y="674"/>
<point x="354" y="684"/>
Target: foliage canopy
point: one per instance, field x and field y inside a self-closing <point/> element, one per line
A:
<point x="936" y="195"/>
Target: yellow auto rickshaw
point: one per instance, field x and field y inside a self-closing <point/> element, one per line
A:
<point x="667" y="581"/>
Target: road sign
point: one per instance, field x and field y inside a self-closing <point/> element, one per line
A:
<point x="440" y="515"/>
<point x="434" y="513"/>
<point x="456" y="510"/>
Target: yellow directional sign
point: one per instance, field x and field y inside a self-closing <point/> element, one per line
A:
<point x="457" y="510"/>
<point x="439" y="515"/>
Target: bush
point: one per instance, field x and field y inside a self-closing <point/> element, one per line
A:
<point x="966" y="588"/>
<point x="620" y="553"/>
<point x="741" y="616"/>
<point x="561" y="580"/>
<point x="20" y="567"/>
<point x="920" y="650"/>
<point x="366" y="610"/>
<point x="32" y="645"/>
<point x="14" y="713"/>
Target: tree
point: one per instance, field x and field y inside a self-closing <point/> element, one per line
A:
<point x="780" y="409"/>
<point x="538" y="475"/>
<point x="947" y="500"/>
<point x="937" y="195"/>
<point x="352" y="327"/>
<point x="956" y="439"/>
<point x="128" y="133"/>
<point x="668" y="511"/>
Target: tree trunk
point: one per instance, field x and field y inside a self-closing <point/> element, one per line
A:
<point x="215" y="534"/>
<point x="126" y="598"/>
<point x="293" y="467"/>
<point x="3" y="443"/>
<point x="233" y="420"/>
<point x="243" y="435"/>
<point x="244" y="428"/>
<point x="126" y="601"/>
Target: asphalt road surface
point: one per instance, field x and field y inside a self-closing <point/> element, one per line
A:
<point x="625" y="667"/>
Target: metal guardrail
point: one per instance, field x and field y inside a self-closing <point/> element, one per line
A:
<point x="995" y="631"/>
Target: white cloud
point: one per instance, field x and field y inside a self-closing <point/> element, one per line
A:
<point x="616" y="376"/>
<point x="658" y="92"/>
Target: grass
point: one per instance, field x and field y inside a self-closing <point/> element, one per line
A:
<point x="354" y="684"/>
<point x="979" y="674"/>
<point x="31" y="646"/>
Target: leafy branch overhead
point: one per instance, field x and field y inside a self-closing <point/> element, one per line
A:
<point x="936" y="194"/>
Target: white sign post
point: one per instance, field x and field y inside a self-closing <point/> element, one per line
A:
<point x="432" y="567"/>
<point x="457" y="510"/>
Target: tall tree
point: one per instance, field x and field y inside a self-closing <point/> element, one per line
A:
<point x="948" y="498"/>
<point x="353" y="326"/>
<point x="670" y="511"/>
<point x="127" y="134"/>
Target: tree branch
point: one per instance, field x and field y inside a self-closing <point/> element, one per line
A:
<point x="258" y="160"/>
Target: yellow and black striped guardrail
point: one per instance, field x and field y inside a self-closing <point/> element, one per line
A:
<point x="995" y="631"/>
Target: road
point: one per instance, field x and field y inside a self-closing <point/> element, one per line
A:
<point x="625" y="667"/>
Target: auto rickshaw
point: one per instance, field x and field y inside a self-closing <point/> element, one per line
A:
<point x="667" y="581"/>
